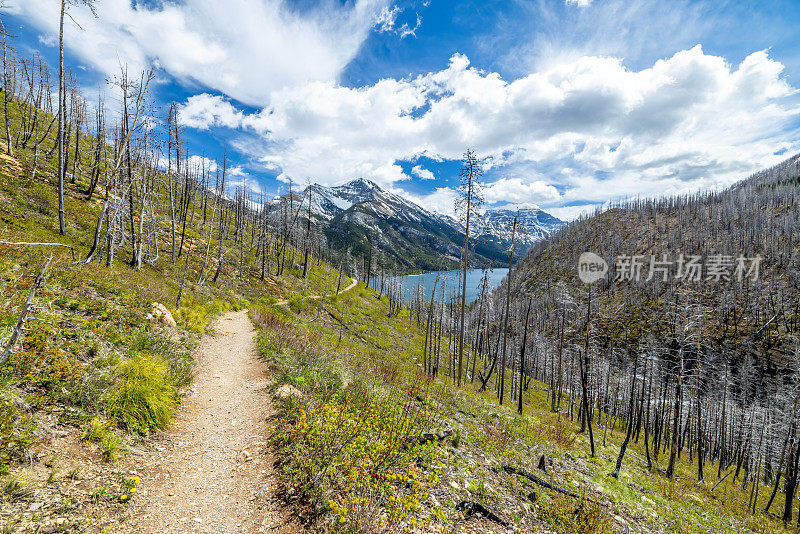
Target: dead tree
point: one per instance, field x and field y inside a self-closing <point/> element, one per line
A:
<point x="27" y="308"/>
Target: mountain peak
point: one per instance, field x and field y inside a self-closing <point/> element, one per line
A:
<point x="362" y="183"/>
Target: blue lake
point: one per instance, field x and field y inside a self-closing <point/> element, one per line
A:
<point x="450" y="279"/>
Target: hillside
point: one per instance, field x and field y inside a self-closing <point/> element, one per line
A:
<point x="365" y="439"/>
<point x="741" y="316"/>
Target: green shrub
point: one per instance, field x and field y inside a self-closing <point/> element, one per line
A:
<point x="568" y="515"/>
<point x="295" y="303"/>
<point x="144" y="398"/>
<point x="16" y="433"/>
<point x="359" y="458"/>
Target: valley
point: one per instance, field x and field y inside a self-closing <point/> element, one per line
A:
<point x="315" y="267"/>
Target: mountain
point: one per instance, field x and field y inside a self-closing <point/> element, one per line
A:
<point x="533" y="225"/>
<point x="745" y="298"/>
<point x="360" y="214"/>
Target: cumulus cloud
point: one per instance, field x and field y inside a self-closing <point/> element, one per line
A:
<point x="234" y="47"/>
<point x="517" y="190"/>
<point x="579" y="132"/>
<point x="204" y="110"/>
<point x="422" y="173"/>
<point x="202" y="162"/>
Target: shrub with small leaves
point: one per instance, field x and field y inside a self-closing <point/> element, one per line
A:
<point x="359" y="457"/>
<point x="16" y="433"/>
<point x="568" y="515"/>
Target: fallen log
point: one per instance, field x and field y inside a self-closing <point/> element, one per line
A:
<point x="545" y="484"/>
<point x="24" y="316"/>
<point x="474" y="508"/>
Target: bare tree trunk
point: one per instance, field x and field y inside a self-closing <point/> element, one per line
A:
<point x="505" y="316"/>
<point x="587" y="410"/>
<point x="522" y="355"/>
<point x="62" y="225"/>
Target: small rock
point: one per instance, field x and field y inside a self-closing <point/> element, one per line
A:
<point x="163" y="314"/>
<point x="286" y="391"/>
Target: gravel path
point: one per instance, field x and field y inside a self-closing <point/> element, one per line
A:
<point x="213" y="472"/>
<point x="353" y="284"/>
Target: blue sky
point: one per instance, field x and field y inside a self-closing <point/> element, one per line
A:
<point x="571" y="104"/>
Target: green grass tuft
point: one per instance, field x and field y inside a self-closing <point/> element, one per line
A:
<point x="144" y="398"/>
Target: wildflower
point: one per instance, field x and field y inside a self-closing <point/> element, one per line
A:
<point x="123" y="497"/>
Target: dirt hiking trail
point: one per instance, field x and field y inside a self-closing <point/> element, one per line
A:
<point x="213" y="471"/>
<point x="353" y="283"/>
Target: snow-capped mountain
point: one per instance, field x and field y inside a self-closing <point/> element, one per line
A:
<point x="360" y="214"/>
<point x="533" y="225"/>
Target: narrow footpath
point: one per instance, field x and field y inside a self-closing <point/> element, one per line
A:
<point x="213" y="471"/>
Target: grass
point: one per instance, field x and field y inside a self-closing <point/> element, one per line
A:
<point x="196" y="314"/>
<point x="15" y="488"/>
<point x="375" y="356"/>
<point x="570" y="516"/>
<point x="96" y="430"/>
<point x="144" y="397"/>
<point x="113" y="447"/>
<point x="16" y="433"/>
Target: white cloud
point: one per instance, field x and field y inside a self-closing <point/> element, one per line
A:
<point x="518" y="190"/>
<point x="387" y="19"/>
<point x="386" y="22"/>
<point x="48" y="40"/>
<point x="422" y="173"/>
<point x="204" y="110"/>
<point x="248" y="183"/>
<point x="579" y="3"/>
<point x="240" y="49"/>
<point x="440" y="200"/>
<point x="579" y="132"/>
<point x="201" y="162"/>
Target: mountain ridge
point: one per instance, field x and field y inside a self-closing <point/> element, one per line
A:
<point x="360" y="214"/>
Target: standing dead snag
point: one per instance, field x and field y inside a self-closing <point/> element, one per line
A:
<point x="26" y="310"/>
<point x="62" y="111"/>
<point x="469" y="201"/>
<point x="522" y="356"/>
<point x="504" y="327"/>
<point x="584" y="367"/>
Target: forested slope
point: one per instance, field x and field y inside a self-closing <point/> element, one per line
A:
<point x="691" y="337"/>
